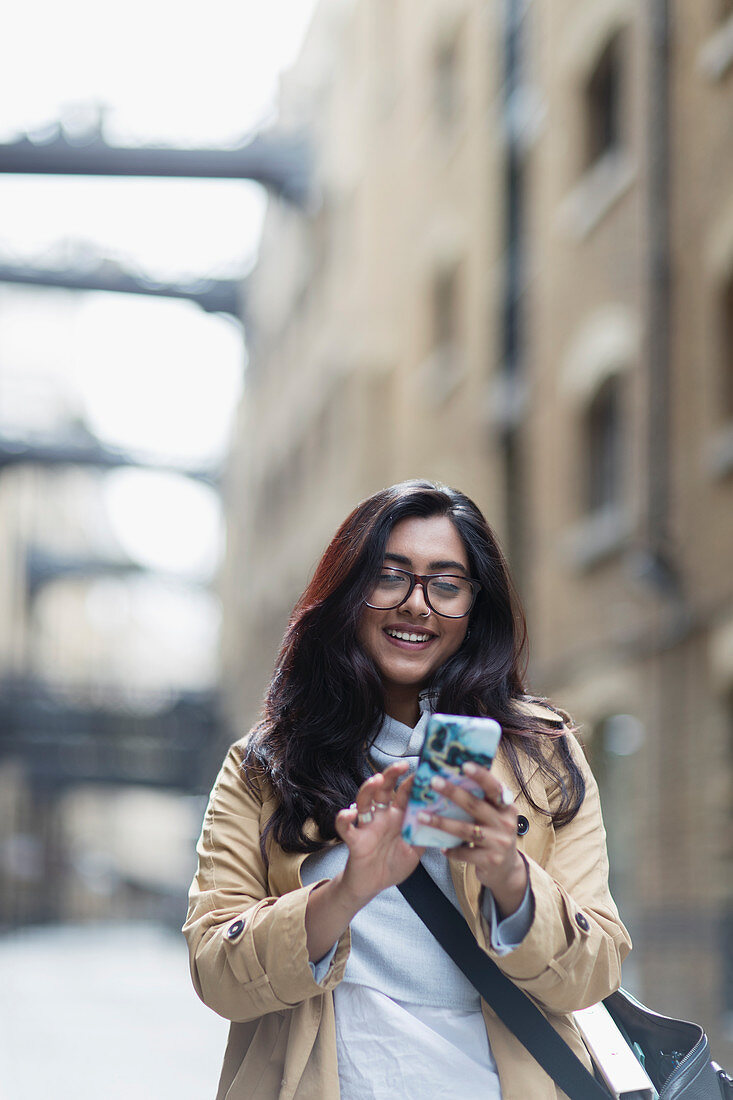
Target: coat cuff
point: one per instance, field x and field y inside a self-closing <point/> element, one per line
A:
<point x="320" y="969"/>
<point x="506" y="934"/>
<point x="273" y="937"/>
<point x="557" y="928"/>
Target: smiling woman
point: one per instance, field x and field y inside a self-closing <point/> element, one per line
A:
<point x="297" y="932"/>
<point x="394" y="629"/>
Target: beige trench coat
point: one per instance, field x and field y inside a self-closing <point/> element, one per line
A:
<point x="246" y="934"/>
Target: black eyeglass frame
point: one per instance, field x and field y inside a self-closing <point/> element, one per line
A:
<point x="422" y="579"/>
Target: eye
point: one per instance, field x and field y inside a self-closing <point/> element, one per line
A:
<point x="390" y="580"/>
<point x="447" y="586"/>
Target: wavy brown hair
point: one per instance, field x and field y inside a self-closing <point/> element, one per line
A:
<point x="325" y="703"/>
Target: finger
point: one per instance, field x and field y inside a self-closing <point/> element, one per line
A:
<point x="475" y="806"/>
<point x="390" y="777"/>
<point x="494" y="794"/>
<point x="460" y="829"/>
<point x="346" y="821"/>
<point x="399" y="801"/>
<point x="367" y="791"/>
<point x="463" y="853"/>
<point x="494" y="790"/>
<point x="464" y="830"/>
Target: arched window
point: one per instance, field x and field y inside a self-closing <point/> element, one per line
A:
<point x="604" y="446"/>
<point x="603" y="102"/>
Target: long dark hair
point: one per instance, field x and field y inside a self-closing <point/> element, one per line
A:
<point x="325" y="703"/>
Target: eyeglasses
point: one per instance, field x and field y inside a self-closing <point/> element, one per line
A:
<point x="445" y="594"/>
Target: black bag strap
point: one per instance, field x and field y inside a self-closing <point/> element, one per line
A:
<point x="513" y="1007"/>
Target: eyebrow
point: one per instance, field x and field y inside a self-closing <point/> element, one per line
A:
<point x="438" y="566"/>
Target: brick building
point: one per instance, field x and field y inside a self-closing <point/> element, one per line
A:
<point x="517" y="277"/>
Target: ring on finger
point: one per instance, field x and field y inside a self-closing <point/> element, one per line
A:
<point x="364" y="818"/>
<point x="381" y="805"/>
<point x="470" y="844"/>
<point x="477" y="835"/>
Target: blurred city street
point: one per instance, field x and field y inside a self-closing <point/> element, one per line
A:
<point x="104" y="1012"/>
<point x="255" y="266"/>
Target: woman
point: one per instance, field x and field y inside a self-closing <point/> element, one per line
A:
<point x="296" y="930"/>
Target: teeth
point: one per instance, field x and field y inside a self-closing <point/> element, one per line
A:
<point x="408" y="637"/>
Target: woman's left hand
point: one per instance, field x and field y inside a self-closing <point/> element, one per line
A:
<point x="489" y="840"/>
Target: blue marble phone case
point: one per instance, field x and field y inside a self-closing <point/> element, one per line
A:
<point x="450" y="740"/>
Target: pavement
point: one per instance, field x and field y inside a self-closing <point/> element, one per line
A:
<point x="104" y="1012"/>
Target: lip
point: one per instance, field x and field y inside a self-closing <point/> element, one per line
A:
<point x="408" y="628"/>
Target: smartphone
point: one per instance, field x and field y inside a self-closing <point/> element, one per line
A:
<point x="450" y="741"/>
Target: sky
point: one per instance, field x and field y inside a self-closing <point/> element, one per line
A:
<point x="163" y="70"/>
<point x="158" y="377"/>
<point x="155" y="72"/>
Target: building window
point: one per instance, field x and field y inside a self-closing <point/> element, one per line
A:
<point x="514" y="326"/>
<point x="725" y="10"/>
<point x="614" y="747"/>
<point x="726" y="347"/>
<point x="446" y="84"/>
<point x="603" y="98"/>
<point x="445" y="319"/>
<point x="603" y="447"/>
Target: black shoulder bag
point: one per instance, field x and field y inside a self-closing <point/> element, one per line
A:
<point x="676" y="1053"/>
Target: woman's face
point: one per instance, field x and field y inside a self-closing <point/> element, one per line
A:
<point x="420" y="545"/>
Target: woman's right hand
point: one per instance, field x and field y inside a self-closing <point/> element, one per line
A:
<point x="378" y="856"/>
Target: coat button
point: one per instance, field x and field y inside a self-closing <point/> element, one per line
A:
<point x="234" y="929"/>
<point x="522" y="825"/>
<point x="582" y="921"/>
